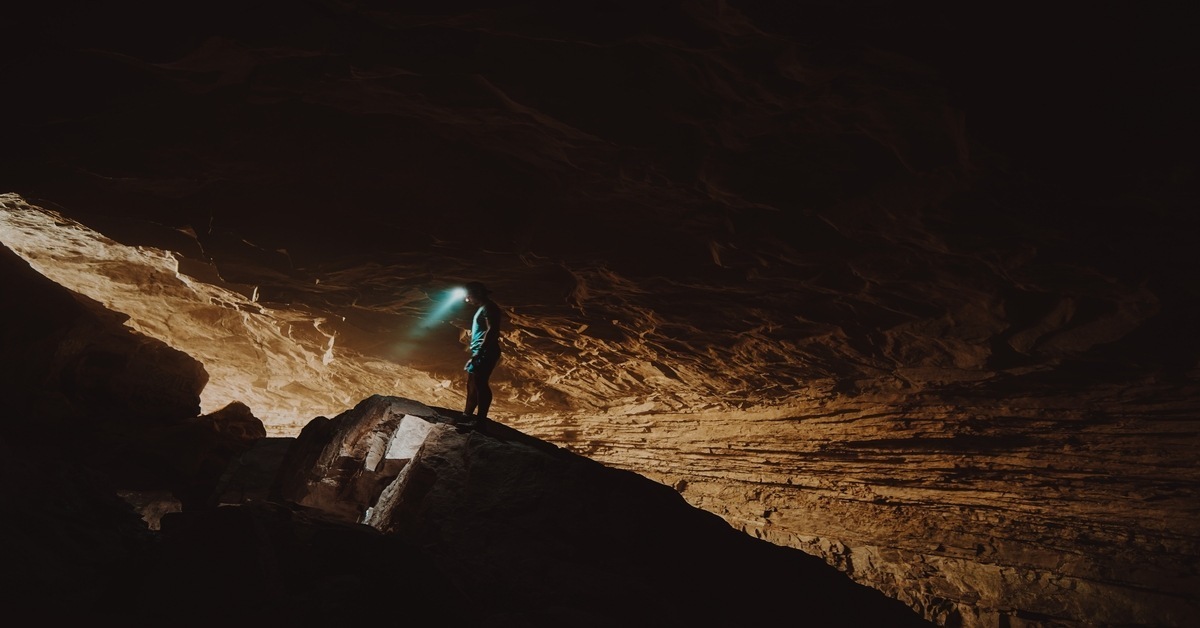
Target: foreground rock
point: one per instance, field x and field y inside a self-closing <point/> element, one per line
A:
<point x="485" y="527"/>
<point x="534" y="532"/>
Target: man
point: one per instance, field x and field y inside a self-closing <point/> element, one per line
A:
<point x="485" y="352"/>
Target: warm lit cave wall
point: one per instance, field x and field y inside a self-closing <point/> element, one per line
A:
<point x="486" y="526"/>
<point x="977" y="506"/>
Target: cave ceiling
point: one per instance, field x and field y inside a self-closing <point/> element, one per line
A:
<point x="679" y="205"/>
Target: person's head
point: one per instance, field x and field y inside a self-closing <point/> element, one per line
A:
<point x="476" y="292"/>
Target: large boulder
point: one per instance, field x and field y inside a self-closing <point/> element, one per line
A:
<point x="539" y="535"/>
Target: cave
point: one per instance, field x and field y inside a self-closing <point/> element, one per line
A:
<point x="815" y="313"/>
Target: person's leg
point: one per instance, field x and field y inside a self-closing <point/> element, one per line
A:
<point x="483" y="387"/>
<point x="472" y="394"/>
<point x="483" y="394"/>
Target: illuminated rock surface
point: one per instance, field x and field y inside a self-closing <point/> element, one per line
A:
<point x="491" y="527"/>
<point x="911" y="291"/>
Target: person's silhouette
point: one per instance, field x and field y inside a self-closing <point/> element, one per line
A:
<point x="485" y="351"/>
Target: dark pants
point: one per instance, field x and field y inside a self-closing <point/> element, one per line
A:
<point x="479" y="392"/>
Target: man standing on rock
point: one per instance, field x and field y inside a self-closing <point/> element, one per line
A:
<point x="485" y="352"/>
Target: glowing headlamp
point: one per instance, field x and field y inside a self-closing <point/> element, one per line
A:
<point x="449" y="300"/>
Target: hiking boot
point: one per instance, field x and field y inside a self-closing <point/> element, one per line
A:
<point x="466" y="422"/>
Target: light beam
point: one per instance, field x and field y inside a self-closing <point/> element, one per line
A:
<point x="449" y="299"/>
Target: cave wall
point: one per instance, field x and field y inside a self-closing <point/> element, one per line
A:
<point x="910" y="288"/>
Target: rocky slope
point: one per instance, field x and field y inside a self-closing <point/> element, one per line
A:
<point x="519" y="523"/>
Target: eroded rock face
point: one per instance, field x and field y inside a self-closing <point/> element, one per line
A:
<point x="1038" y="513"/>
<point x="67" y="358"/>
<point x="81" y="386"/>
<point x="912" y="288"/>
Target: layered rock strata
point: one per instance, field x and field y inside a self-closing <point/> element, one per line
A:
<point x="982" y="508"/>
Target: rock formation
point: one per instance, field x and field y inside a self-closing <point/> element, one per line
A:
<point x="910" y="288"/>
<point x="489" y="527"/>
<point x="521" y="525"/>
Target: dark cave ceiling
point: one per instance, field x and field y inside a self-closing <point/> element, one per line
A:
<point x="767" y="194"/>
<point x="748" y="200"/>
